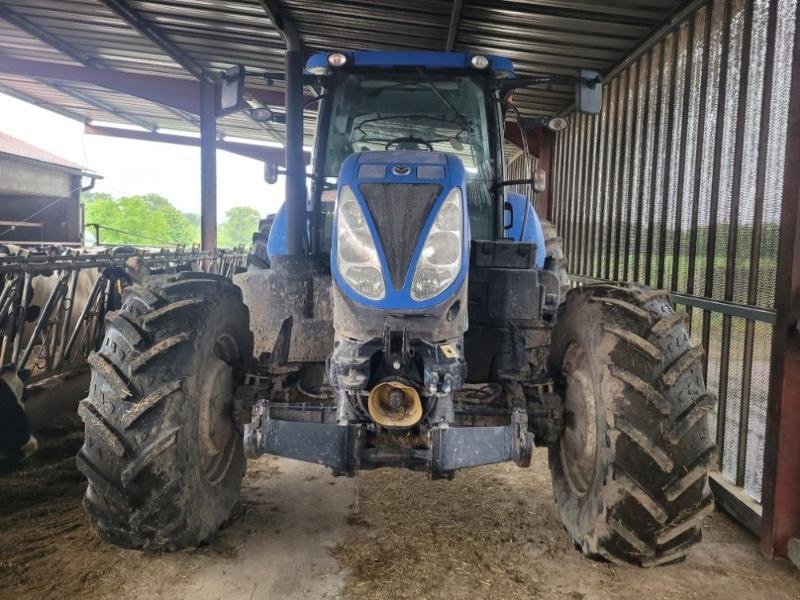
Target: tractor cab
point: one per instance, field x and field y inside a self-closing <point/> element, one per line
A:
<point x="450" y="103"/>
<point x="419" y="102"/>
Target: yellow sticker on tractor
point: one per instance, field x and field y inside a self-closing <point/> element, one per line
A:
<point x="449" y="351"/>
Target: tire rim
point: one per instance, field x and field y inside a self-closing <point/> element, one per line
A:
<point x="578" y="444"/>
<point x="218" y="432"/>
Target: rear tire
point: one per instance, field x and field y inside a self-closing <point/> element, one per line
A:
<point x="630" y="471"/>
<point x="162" y="453"/>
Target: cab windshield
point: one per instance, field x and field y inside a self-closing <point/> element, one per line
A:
<point x="416" y="111"/>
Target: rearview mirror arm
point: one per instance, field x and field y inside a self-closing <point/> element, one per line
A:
<point x="508" y="85"/>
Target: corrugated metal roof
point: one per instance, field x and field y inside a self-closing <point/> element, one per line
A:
<point x="206" y="36"/>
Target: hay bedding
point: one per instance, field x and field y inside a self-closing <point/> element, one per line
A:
<point x="471" y="537"/>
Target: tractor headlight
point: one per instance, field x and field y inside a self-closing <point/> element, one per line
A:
<point x="440" y="260"/>
<point x="356" y="255"/>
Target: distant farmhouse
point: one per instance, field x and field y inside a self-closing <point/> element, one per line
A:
<point x="40" y="194"/>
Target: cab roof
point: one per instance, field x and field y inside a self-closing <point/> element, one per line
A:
<point x="500" y="66"/>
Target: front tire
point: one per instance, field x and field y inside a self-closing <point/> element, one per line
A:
<point x="162" y="453"/>
<point x="630" y="471"/>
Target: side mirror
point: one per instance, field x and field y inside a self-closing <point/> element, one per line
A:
<point x="270" y="172"/>
<point x="231" y="90"/>
<point x="589" y="92"/>
<point x="539" y="180"/>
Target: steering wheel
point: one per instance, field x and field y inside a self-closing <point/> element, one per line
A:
<point x="408" y="140"/>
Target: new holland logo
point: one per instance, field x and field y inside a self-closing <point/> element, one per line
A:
<point x="401" y="169"/>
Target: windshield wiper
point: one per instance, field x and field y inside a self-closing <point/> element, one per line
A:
<point x="461" y="116"/>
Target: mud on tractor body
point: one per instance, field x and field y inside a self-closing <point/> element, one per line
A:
<point x="411" y="314"/>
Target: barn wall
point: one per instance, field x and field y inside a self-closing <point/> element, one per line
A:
<point x="678" y="184"/>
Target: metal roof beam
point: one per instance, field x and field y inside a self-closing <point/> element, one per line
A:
<point x="101" y="104"/>
<point x="48" y="38"/>
<point x="452" y="32"/>
<point x="254" y="151"/>
<point x="41" y="103"/>
<point x="131" y="16"/>
<point x="71" y="51"/>
<point x="173" y="92"/>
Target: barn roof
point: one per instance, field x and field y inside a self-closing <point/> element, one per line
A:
<point x="70" y="56"/>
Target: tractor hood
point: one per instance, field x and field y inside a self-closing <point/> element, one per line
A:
<point x="401" y="238"/>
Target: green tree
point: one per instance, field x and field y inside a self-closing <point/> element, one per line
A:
<point x="149" y="220"/>
<point x="238" y="227"/>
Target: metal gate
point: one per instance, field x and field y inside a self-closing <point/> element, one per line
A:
<point x="677" y="184"/>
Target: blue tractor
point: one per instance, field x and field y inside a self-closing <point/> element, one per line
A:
<point x="402" y="309"/>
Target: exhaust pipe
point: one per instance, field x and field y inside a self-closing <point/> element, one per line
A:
<point x="295" y="162"/>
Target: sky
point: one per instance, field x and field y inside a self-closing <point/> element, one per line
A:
<point x="132" y="167"/>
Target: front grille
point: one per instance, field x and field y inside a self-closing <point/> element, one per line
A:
<point x="399" y="211"/>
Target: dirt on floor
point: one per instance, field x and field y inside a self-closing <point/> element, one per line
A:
<point x="493" y="532"/>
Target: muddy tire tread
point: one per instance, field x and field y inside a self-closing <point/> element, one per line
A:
<point x="656" y="492"/>
<point x="137" y="457"/>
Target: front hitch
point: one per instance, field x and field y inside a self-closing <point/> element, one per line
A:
<point x="342" y="448"/>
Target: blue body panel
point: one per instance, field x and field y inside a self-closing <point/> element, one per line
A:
<point x="389" y="59"/>
<point x="453" y="176"/>
<point x="523" y="214"/>
<point x="276" y="244"/>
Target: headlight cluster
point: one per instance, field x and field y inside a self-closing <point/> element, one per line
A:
<point x="440" y="260"/>
<point x="356" y="255"/>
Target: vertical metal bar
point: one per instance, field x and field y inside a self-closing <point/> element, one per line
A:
<point x="44" y="318"/>
<point x="724" y="365"/>
<point x="608" y="182"/>
<point x="597" y="194"/>
<point x="20" y="316"/>
<point x="730" y="271"/>
<point x="580" y="197"/>
<point x="711" y="249"/>
<point x="66" y="315"/>
<point x="744" y="407"/>
<point x="611" y="174"/>
<point x="781" y="482"/>
<point x="758" y="217"/>
<point x="683" y="161"/>
<point x="586" y="196"/>
<point x="648" y="253"/>
<point x="559" y="192"/>
<point x="620" y="168"/>
<point x="558" y="166"/>
<point x="84" y="312"/>
<point x="602" y="196"/>
<point x="591" y="198"/>
<point x="208" y="166"/>
<point x="569" y="214"/>
<point x="580" y="200"/>
<point x="636" y="126"/>
<point x="668" y="139"/>
<point x="647" y="107"/>
<point x="698" y="164"/>
<point x="597" y="145"/>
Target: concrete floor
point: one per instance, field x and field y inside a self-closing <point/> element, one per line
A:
<point x="493" y="532"/>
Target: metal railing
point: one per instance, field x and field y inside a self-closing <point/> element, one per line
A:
<point x="52" y="307"/>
